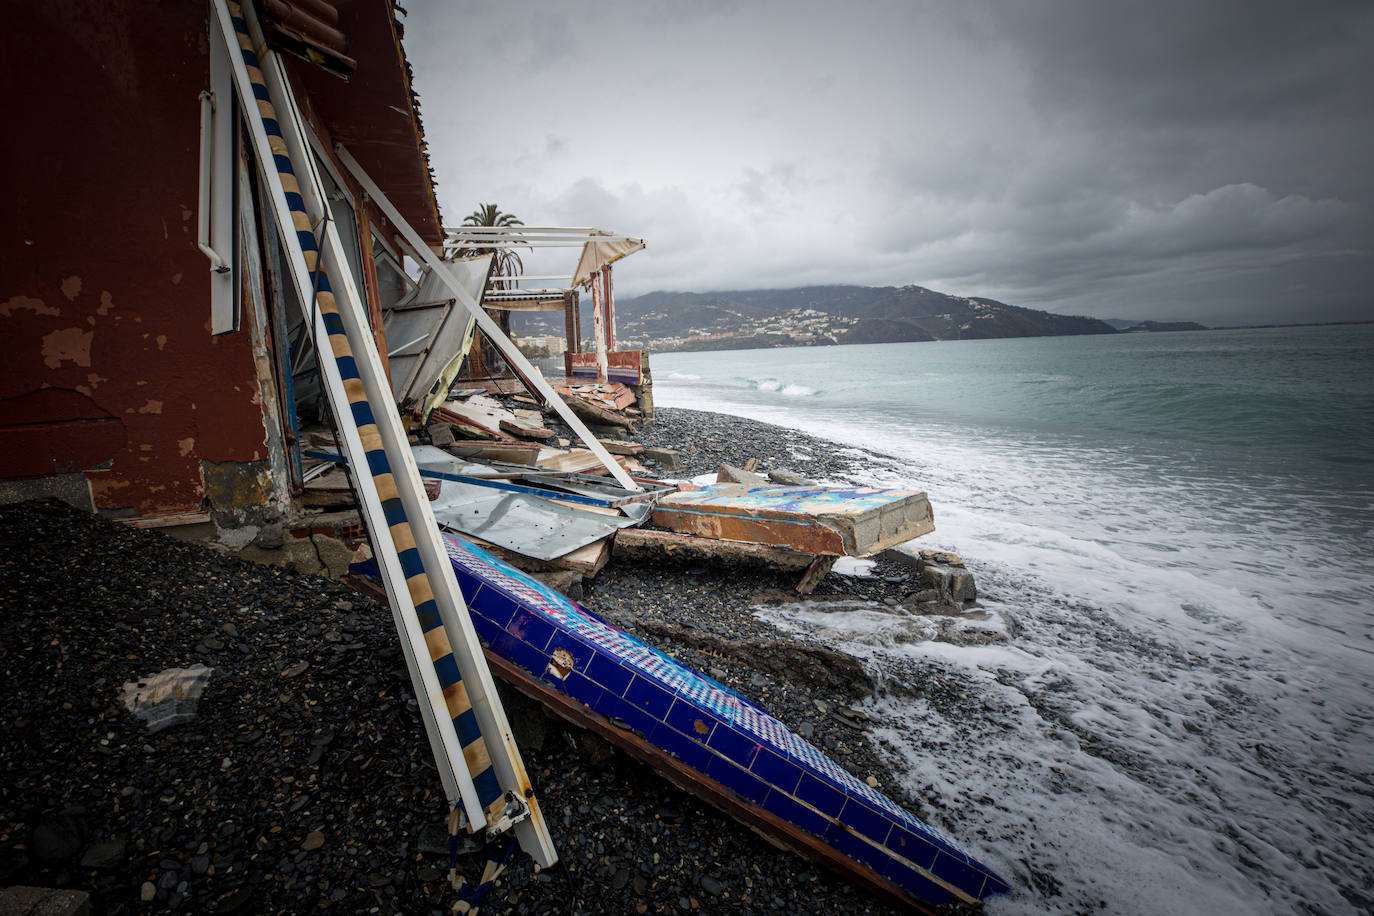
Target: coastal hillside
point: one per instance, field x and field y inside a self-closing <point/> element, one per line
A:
<point x="828" y="315"/>
<point x="1136" y="327"/>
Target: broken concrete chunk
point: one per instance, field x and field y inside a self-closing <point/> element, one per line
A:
<point x="667" y="458"/>
<point x="728" y="473"/>
<point x="789" y="479"/>
<point x="567" y="581"/>
<point x="941" y="574"/>
<point x="953" y="584"/>
<point x="441" y="434"/>
<point x="167" y="698"/>
<point x="853" y="521"/>
<point x="272" y="536"/>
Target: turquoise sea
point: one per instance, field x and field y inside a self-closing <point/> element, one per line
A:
<point x="1171" y="679"/>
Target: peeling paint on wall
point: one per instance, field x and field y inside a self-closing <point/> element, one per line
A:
<point x="239" y="492"/>
<point x="37" y="306"/>
<point x="67" y="345"/>
<point x="67" y="406"/>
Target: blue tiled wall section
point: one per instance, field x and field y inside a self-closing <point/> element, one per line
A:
<point x="707" y="727"/>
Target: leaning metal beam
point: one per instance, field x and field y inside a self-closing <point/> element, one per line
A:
<point x="508" y="349"/>
<point x="467" y="726"/>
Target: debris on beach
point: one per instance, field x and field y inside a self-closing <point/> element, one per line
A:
<point x="167" y="698"/>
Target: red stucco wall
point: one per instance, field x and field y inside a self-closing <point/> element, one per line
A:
<point x="109" y="367"/>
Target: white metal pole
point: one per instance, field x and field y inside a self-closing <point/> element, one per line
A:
<point x="612" y="341"/>
<point x="599" y="324"/>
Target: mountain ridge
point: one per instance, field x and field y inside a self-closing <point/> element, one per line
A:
<point x="827" y="315"/>
<point x="839" y="314"/>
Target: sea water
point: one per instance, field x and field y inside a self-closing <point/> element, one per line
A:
<point x="1167" y="705"/>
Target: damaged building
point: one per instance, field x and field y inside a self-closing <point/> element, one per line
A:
<point x="226" y="278"/>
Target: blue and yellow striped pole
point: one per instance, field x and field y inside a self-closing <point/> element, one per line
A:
<point x="491" y="798"/>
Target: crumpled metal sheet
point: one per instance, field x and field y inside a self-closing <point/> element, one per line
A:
<point x="529" y="525"/>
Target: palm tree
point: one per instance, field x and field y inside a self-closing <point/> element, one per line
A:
<point x="508" y="263"/>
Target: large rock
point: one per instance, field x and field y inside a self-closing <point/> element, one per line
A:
<point x="941" y="574"/>
<point x="58" y="837"/>
<point x="666" y="458"/>
<point x="43" y="901"/>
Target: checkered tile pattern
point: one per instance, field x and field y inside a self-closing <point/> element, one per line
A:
<point x="417" y="582"/>
<point x="709" y="727"/>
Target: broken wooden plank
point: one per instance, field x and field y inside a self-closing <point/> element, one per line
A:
<point x="577" y="460"/>
<point x="526" y="430"/>
<point x="166" y="521"/>
<point x="621" y="446"/>
<point x="817" y="571"/>
<point x="642" y="544"/>
<point x="851" y="521"/>
<point x="523" y="453"/>
<point x="596" y="413"/>
<point x="586" y="561"/>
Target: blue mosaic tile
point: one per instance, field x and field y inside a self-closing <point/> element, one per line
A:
<point x="649" y="697"/>
<point x="820" y="795"/>
<point x="912" y="847"/>
<point x="789" y="809"/>
<point x="634" y="683"/>
<point x="859" y="849"/>
<point x="493" y="605"/>
<point x="690" y="720"/>
<point x="958" y="872"/>
<point x="913" y="880"/>
<point x="995" y="885"/>
<point x="512" y="649"/>
<point x="740" y="748"/>
<point x="628" y="715"/>
<point x="865" y="820"/>
<point x="682" y="747"/>
<point x="773" y="769"/>
<point x="736" y="779"/>
<point x="609" y="673"/>
<point x="532" y="628"/>
<point x="580" y="688"/>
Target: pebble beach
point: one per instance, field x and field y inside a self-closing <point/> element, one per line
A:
<point x="305" y="782"/>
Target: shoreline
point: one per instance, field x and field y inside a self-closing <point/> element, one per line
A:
<point x="309" y="752"/>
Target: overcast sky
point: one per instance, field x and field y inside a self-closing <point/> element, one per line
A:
<point x="1169" y="159"/>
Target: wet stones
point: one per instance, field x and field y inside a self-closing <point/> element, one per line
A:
<point x="59" y="837"/>
<point x="210" y="825"/>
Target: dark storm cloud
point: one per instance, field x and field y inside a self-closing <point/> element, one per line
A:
<point x="1168" y="159"/>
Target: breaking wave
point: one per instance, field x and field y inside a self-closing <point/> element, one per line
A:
<point x="1165" y="706"/>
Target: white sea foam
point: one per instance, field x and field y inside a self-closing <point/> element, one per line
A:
<point x="853" y="566"/>
<point x="1165" y="707"/>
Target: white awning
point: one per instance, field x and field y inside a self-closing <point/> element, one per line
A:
<point x="597" y="254"/>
